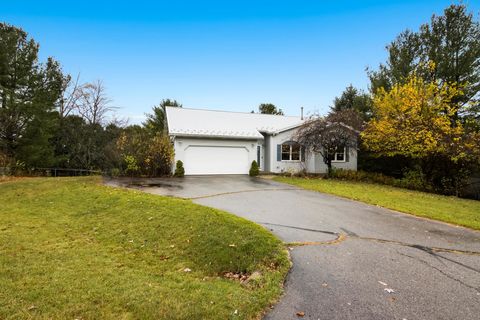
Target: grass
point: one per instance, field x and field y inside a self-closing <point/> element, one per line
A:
<point x="71" y="248"/>
<point x="448" y="209"/>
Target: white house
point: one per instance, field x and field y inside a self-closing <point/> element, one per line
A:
<point x="222" y="142"/>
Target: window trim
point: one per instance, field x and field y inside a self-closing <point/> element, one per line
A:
<point x="344" y="156"/>
<point x="290" y="144"/>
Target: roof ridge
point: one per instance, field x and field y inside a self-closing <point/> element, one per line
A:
<point x="241" y="112"/>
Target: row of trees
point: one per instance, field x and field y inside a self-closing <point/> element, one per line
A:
<point x="422" y="113"/>
<point x="49" y="119"/>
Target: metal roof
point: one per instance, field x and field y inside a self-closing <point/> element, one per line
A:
<point x="225" y="124"/>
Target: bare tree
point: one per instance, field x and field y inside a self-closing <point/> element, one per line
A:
<point x="70" y="96"/>
<point x="328" y="135"/>
<point x="118" y="121"/>
<point x="93" y="103"/>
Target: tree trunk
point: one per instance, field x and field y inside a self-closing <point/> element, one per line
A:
<point x="329" y="168"/>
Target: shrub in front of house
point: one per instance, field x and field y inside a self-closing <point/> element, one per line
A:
<point x="254" y="169"/>
<point x="179" y="170"/>
<point x="413" y="179"/>
<point x="362" y="176"/>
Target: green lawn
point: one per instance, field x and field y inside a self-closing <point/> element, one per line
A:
<point x="449" y="209"/>
<point x="71" y="248"/>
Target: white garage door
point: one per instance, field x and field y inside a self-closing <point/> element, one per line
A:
<point x="216" y="160"/>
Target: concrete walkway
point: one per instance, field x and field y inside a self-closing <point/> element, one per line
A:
<point x="352" y="260"/>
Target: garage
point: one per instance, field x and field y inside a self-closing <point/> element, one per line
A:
<point x="210" y="159"/>
<point x="212" y="142"/>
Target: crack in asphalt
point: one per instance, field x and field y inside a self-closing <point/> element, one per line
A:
<point x="420" y="247"/>
<point x="298" y="228"/>
<point x="349" y="234"/>
<point x="341" y="237"/>
<point x="240" y="191"/>
<point x="431" y="251"/>
<point x="443" y="272"/>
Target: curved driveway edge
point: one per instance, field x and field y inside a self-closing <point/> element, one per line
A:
<point x="350" y="260"/>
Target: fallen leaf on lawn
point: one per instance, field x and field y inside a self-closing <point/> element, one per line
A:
<point x="236" y="276"/>
<point x="382" y="283"/>
<point x="300" y="314"/>
<point x="389" y="290"/>
<point x="187" y="270"/>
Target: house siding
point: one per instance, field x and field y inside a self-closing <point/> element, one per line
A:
<point x="313" y="162"/>
<point x="351" y="164"/>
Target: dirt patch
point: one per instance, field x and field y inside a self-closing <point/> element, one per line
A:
<point x="10" y="179"/>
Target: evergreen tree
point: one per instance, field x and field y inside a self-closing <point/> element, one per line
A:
<point x="29" y="91"/>
<point x="157" y="120"/>
<point x="354" y="99"/>
<point x="269" y="108"/>
<point x="446" y="50"/>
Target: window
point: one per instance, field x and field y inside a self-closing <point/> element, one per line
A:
<point x="340" y="155"/>
<point x="285" y="152"/>
<point x="295" y="152"/>
<point x="291" y="152"/>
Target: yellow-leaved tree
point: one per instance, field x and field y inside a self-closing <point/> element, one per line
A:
<point x="420" y="120"/>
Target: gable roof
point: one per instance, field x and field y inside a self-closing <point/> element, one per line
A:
<point x="225" y="124"/>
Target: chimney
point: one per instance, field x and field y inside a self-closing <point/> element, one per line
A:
<point x="301" y="113"/>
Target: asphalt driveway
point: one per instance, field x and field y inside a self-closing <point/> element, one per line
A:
<point x="350" y="260"/>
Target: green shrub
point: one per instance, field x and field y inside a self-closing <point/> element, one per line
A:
<point x="254" y="169"/>
<point x="152" y="154"/>
<point x="414" y="179"/>
<point x="131" y="164"/>
<point x="179" y="170"/>
<point x="456" y="185"/>
<point x="363" y="176"/>
<point x="159" y="156"/>
<point x="115" y="172"/>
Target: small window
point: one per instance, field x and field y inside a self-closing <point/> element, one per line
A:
<point x="291" y="152"/>
<point x="295" y="152"/>
<point x="340" y="155"/>
<point x="285" y="152"/>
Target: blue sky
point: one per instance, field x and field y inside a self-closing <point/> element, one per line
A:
<point x="228" y="55"/>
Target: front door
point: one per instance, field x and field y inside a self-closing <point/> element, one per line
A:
<point x="260" y="157"/>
